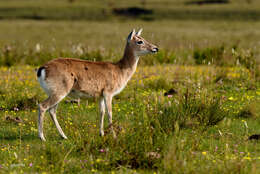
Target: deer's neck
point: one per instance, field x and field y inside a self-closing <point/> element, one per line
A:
<point x="129" y="62"/>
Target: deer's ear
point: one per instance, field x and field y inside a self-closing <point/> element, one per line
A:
<point x="131" y="35"/>
<point x="139" y="32"/>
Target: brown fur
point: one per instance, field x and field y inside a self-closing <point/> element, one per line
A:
<point x="93" y="78"/>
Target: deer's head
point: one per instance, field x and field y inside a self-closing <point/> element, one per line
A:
<point x="139" y="45"/>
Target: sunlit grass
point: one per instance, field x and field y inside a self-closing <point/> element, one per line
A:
<point x="184" y="143"/>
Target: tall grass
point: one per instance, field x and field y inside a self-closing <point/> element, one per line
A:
<point x="219" y="56"/>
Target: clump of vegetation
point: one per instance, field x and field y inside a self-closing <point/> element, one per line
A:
<point x="206" y="56"/>
<point x="190" y="112"/>
<point x="158" y="84"/>
<point x="165" y="57"/>
<point x="25" y="103"/>
<point x="21" y="103"/>
<point x="162" y="57"/>
<point x="251" y="110"/>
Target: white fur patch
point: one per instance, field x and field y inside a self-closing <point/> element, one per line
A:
<point x="142" y="52"/>
<point x="43" y="83"/>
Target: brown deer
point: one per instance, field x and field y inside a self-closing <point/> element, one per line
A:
<point x="74" y="77"/>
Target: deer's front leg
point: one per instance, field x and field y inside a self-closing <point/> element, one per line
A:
<point x="108" y="102"/>
<point x="102" y="113"/>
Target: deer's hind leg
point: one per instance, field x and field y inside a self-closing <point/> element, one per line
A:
<point x="57" y="87"/>
<point x="52" y="112"/>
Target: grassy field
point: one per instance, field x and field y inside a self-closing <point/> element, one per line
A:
<point x="209" y="55"/>
<point x="178" y="40"/>
<point x="204" y="126"/>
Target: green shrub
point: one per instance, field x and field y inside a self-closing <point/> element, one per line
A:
<point x="250" y="110"/>
<point x="158" y="84"/>
<point x="213" y="55"/>
<point x="163" y="56"/>
<point x="190" y="112"/>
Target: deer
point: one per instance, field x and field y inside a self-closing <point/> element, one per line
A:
<point x="74" y="77"/>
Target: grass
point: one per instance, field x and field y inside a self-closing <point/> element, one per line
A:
<point x="85" y="39"/>
<point x="156" y="133"/>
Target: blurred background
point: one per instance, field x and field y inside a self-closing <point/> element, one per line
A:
<point x="221" y="32"/>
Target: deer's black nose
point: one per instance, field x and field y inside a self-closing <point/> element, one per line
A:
<point x="155" y="50"/>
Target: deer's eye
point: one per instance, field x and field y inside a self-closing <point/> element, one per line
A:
<point x="140" y="42"/>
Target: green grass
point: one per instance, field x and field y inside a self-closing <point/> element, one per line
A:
<point x="178" y="40"/>
<point x="198" y="128"/>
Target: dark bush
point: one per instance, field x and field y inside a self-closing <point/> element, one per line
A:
<point x="213" y="55"/>
<point x="191" y="112"/>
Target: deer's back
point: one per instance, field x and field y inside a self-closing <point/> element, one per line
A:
<point x="83" y="76"/>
